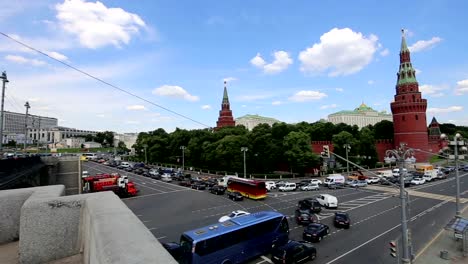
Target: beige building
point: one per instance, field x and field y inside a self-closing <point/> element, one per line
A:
<point x="56" y="134"/>
<point x="251" y="121"/>
<point x="361" y="116"/>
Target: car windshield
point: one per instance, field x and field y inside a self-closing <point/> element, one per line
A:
<point x="232" y="214"/>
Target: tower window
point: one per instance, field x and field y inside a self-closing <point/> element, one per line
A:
<point x="414" y="97"/>
<point x="416" y="116"/>
<point x="403" y="118"/>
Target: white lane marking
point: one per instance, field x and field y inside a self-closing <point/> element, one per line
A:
<point x="161" y="237"/>
<point x="153" y="228"/>
<point x="146" y="221"/>
<point x="152" y="194"/>
<point x="266" y="259"/>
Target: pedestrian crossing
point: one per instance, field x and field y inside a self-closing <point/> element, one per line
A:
<point x="416" y="193"/>
<point x="353" y="204"/>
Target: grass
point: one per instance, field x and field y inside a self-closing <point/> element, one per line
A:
<point x="79" y="150"/>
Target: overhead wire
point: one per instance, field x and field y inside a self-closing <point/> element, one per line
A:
<point x="103" y="81"/>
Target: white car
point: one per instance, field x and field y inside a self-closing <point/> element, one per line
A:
<point x="418" y="181"/>
<point x="270" y="185"/>
<point x="327" y="200"/>
<point x="289" y="186"/>
<point x="84" y="174"/>
<point x="372" y="180"/>
<point x="316" y="181"/>
<point x="234" y="214"/>
<point x="310" y="187"/>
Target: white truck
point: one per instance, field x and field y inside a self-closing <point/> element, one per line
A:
<point x="334" y="179"/>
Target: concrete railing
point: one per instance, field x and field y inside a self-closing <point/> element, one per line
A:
<point x="99" y="226"/>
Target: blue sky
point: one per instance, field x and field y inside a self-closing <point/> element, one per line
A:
<point x="295" y="61"/>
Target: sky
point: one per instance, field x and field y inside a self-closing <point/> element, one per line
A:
<point x="293" y="61"/>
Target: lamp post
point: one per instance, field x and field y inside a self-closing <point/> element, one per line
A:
<point x="244" y="149"/>
<point x="183" y="157"/>
<point x="26" y="125"/>
<point x="2" y="116"/>
<point x="145" y="146"/>
<point x="457" y="141"/>
<point x="347" y="148"/>
<point x="401" y="155"/>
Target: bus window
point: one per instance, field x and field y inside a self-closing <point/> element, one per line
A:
<point x="284" y="227"/>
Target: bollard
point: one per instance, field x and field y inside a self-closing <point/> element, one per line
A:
<point x="444" y="254"/>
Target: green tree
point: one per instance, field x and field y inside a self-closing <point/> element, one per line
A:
<point x="383" y="130"/>
<point x="105" y="138"/>
<point x="299" y="152"/>
<point x="366" y="147"/>
<point x="89" y="138"/>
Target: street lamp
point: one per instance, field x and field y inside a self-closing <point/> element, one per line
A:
<point x="2" y="116"/>
<point x="244" y="149"/>
<point x="26" y="125"/>
<point x="183" y="157"/>
<point x="457" y="141"/>
<point x="347" y="148"/>
<point x="146" y="155"/>
<point x="401" y="155"/>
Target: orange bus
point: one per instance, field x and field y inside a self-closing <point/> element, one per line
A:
<point x="249" y="188"/>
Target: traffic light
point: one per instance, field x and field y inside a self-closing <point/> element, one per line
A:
<point x="325" y="152"/>
<point x="393" y="249"/>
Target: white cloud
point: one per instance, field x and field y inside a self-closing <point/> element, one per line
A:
<point x="175" y="92"/>
<point x="432" y="90"/>
<point x="281" y="62"/>
<point x="370" y="82"/>
<point x="418" y="71"/>
<point x="132" y="122"/>
<point x="384" y="52"/>
<point x="339" y="89"/>
<point x="96" y="25"/>
<point x="56" y="55"/>
<point x="424" y="44"/>
<point x="243" y="106"/>
<point x="136" y="107"/>
<point x="445" y="110"/>
<point x="206" y="107"/>
<point x="276" y="102"/>
<point x="229" y="79"/>
<point x="253" y="97"/>
<point x="22" y="60"/>
<point x="101" y="115"/>
<point x="303" y="96"/>
<point x="329" y="106"/>
<point x="462" y="87"/>
<point x="34" y="99"/>
<point x="340" y="52"/>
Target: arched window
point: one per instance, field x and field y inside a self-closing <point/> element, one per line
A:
<point x="403" y="118"/>
<point x="414" y="98"/>
<point x="416" y="116"/>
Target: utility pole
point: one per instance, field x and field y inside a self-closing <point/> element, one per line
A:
<point x="26" y="125"/>
<point x="2" y="115"/>
<point x="401" y="154"/>
<point x="347" y="147"/>
<point x="183" y="157"/>
<point x="244" y="149"/>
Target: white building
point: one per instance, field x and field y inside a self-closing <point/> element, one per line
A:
<point x="91" y="144"/>
<point x="361" y="116"/>
<point x="56" y="134"/>
<point x="14" y="125"/>
<point x="129" y="139"/>
<point x="251" y="121"/>
<point x="74" y="142"/>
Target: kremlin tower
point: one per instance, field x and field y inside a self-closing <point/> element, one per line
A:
<point x="225" y="115"/>
<point x="409" y="108"/>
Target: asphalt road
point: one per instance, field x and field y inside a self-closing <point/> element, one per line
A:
<point x="168" y="210"/>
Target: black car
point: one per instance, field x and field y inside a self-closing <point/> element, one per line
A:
<point x="174" y="249"/>
<point x="198" y="185"/>
<point x="342" y="220"/>
<point x="185" y="183"/>
<point x="211" y="182"/>
<point x="304" y="217"/>
<point x="235" y="196"/>
<point x="294" y="252"/>
<point x="310" y="204"/>
<point x="315" y="232"/>
<point x="217" y="189"/>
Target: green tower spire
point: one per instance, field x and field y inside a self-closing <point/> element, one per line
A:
<point x="406" y="73"/>
<point x="225" y="95"/>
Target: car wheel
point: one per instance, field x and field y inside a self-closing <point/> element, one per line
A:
<point x="328" y="231"/>
<point x="313" y="256"/>
<point x="319" y="239"/>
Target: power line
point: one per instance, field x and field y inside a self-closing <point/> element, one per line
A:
<point x="102" y="81"/>
<point x="11" y="103"/>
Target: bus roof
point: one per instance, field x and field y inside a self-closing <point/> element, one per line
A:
<point x="246" y="181"/>
<point x="230" y="225"/>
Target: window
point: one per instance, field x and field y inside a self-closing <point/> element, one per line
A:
<point x="416" y="116"/>
<point x="403" y="118"/>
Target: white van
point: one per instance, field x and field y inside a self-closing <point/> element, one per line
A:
<point x="384" y="174"/>
<point x="270" y="185"/>
<point x="396" y="172"/>
<point x="289" y="186"/>
<point x="327" y="200"/>
<point x="334" y="179"/>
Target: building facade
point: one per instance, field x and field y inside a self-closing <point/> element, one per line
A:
<point x="14" y="125"/>
<point x="409" y="108"/>
<point x="225" y="114"/>
<point x="361" y="116"/>
<point x="251" y="121"/>
<point x="56" y="134"/>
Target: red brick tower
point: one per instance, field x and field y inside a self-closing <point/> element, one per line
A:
<point x="225" y="115"/>
<point x="408" y="108"/>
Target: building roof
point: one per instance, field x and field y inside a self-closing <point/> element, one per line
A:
<point x="257" y="117"/>
<point x="406" y="74"/>
<point x="363" y="109"/>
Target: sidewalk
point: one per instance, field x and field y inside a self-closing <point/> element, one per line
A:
<point x="444" y="240"/>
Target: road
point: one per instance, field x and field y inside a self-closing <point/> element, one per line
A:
<point x="168" y="210"/>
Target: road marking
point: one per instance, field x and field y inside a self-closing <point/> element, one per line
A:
<point x="161" y="237"/>
<point x="153" y="228"/>
<point x="266" y="259"/>
<point x="152" y="194"/>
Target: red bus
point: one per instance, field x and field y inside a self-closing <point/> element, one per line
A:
<point x="249" y="188"/>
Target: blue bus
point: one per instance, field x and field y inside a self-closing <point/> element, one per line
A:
<point x="234" y="241"/>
